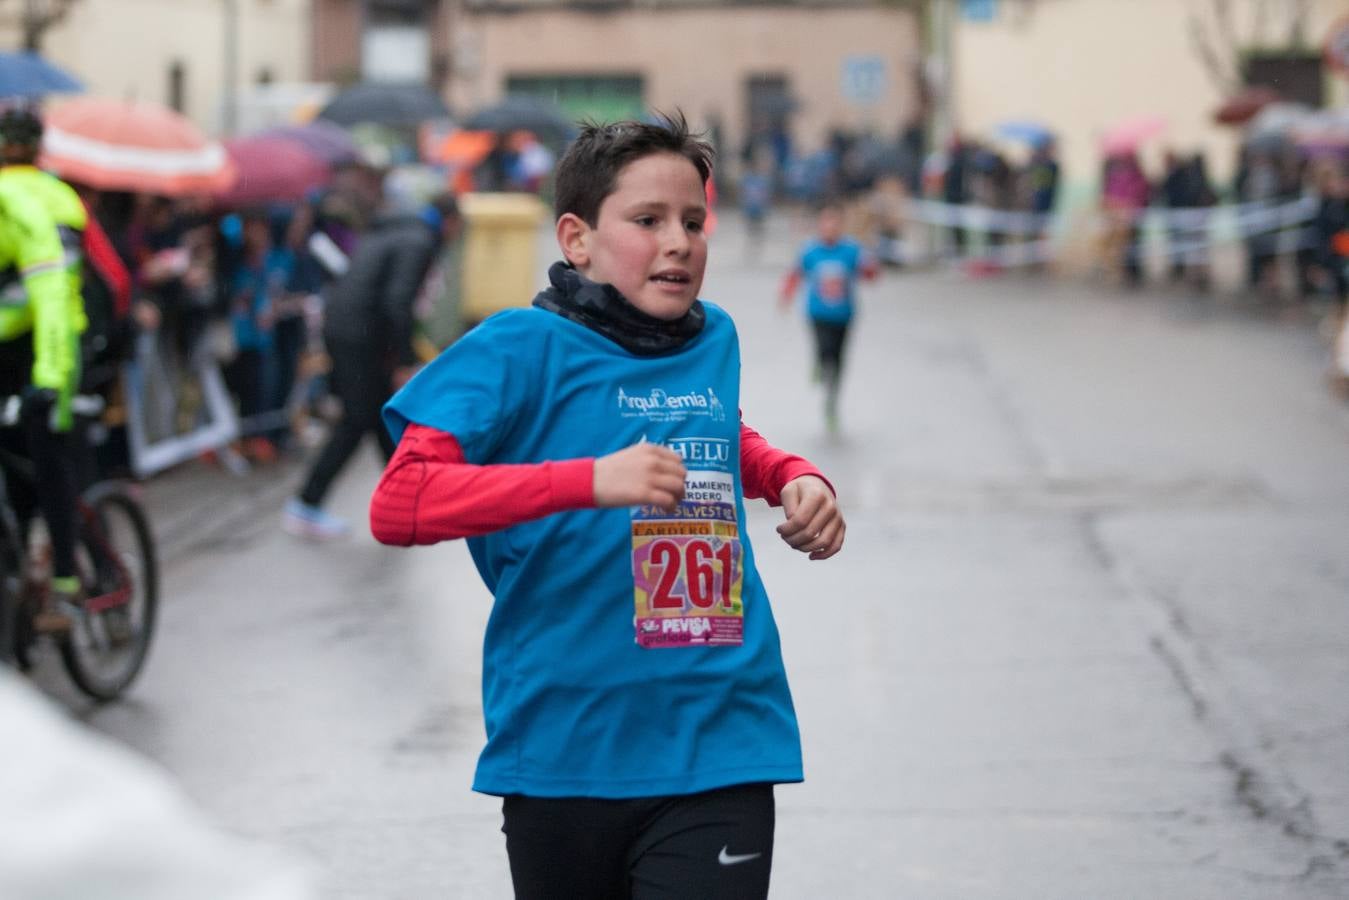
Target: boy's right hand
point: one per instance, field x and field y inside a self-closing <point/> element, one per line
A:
<point x="640" y="475"/>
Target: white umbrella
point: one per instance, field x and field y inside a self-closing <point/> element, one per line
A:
<point x="1278" y="118"/>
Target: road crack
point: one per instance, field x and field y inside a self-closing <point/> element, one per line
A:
<point x="1259" y="784"/>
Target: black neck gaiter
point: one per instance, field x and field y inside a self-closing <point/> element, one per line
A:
<point x="602" y="309"/>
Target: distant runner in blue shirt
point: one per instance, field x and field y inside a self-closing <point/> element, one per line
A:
<point x="830" y="264"/>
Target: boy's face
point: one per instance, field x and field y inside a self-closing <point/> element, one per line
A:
<point x="831" y="225"/>
<point x="648" y="241"/>
<point x="257" y="234"/>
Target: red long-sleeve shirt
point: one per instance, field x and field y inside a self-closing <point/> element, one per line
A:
<point x="429" y="493"/>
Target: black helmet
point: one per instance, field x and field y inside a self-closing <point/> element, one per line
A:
<point x="20" y="126"/>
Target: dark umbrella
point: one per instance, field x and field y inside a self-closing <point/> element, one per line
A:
<point x="543" y="119"/>
<point x="330" y="143"/>
<point x="26" y="74"/>
<point x="395" y="105"/>
<point x="272" y="170"/>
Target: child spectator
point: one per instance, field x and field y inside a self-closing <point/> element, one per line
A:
<point x="637" y="708"/>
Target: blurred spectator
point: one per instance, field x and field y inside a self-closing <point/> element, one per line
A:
<point x="1040" y="183"/>
<point x="1185" y="187"/>
<point x="885" y="211"/>
<point x="1175" y="194"/>
<point x="992" y="187"/>
<point x="1259" y="181"/>
<point x="493" y="173"/>
<point x="531" y="163"/>
<point x="368" y="329"/>
<point x="351" y="203"/>
<point x="175" y="253"/>
<point x="1042" y="178"/>
<point x="756" y="196"/>
<point x="1125" y="194"/>
<point x="912" y="147"/>
<point x="257" y="288"/>
<point x="1330" y="231"/>
<point x="289" y="327"/>
<point x="955" y="185"/>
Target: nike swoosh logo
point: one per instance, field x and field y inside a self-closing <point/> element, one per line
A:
<point x="727" y="859"/>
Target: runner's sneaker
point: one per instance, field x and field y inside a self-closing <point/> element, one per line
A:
<point x="60" y="607"/>
<point x="303" y="520"/>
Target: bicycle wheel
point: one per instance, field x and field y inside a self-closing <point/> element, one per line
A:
<point x="107" y="646"/>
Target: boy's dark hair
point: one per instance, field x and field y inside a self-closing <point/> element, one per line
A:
<point x="589" y="169"/>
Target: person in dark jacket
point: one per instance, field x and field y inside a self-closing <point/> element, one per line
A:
<point x="368" y="330"/>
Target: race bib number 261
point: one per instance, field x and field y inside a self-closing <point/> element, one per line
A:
<point x="688" y="568"/>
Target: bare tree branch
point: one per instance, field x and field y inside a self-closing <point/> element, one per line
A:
<point x="1222" y="14"/>
<point x="1260" y="29"/>
<point x="1297" y="21"/>
<point x="1217" y="64"/>
<point x="33" y="18"/>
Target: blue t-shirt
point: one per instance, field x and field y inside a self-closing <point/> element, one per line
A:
<point x="629" y="652"/>
<point x="831" y="272"/>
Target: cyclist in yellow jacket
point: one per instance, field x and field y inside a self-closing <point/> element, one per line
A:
<point x="41" y="319"/>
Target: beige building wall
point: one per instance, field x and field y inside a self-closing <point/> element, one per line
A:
<point x="699" y="59"/>
<point x="337" y="39"/>
<point x="1080" y="66"/>
<point x="125" y="48"/>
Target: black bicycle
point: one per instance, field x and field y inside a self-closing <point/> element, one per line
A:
<point x="113" y="623"/>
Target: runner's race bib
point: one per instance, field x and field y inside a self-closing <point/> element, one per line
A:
<point x="831" y="282"/>
<point x="687" y="567"/>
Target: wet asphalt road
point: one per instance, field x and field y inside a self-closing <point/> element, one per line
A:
<point x="1089" y="636"/>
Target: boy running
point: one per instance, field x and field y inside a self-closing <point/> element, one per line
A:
<point x="831" y="264"/>
<point x="636" y="705"/>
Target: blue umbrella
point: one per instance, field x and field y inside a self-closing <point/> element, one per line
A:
<point x="1032" y="133"/>
<point x="25" y="74"/>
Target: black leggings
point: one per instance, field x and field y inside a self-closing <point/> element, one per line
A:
<point x="830" y="339"/>
<point x="716" y="845"/>
<point x="362" y="380"/>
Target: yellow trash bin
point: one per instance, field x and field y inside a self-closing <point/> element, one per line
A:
<point x="500" y="252"/>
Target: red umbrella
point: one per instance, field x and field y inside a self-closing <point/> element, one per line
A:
<point x="272" y="170"/>
<point x="1241" y="107"/>
<point x="1127" y="135"/>
<point x="121" y="145"/>
<point x="330" y="143"/>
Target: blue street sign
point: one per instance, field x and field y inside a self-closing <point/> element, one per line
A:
<point x="979" y="10"/>
<point x="863" y="79"/>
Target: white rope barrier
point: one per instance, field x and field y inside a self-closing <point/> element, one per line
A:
<point x="1012" y="239"/>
